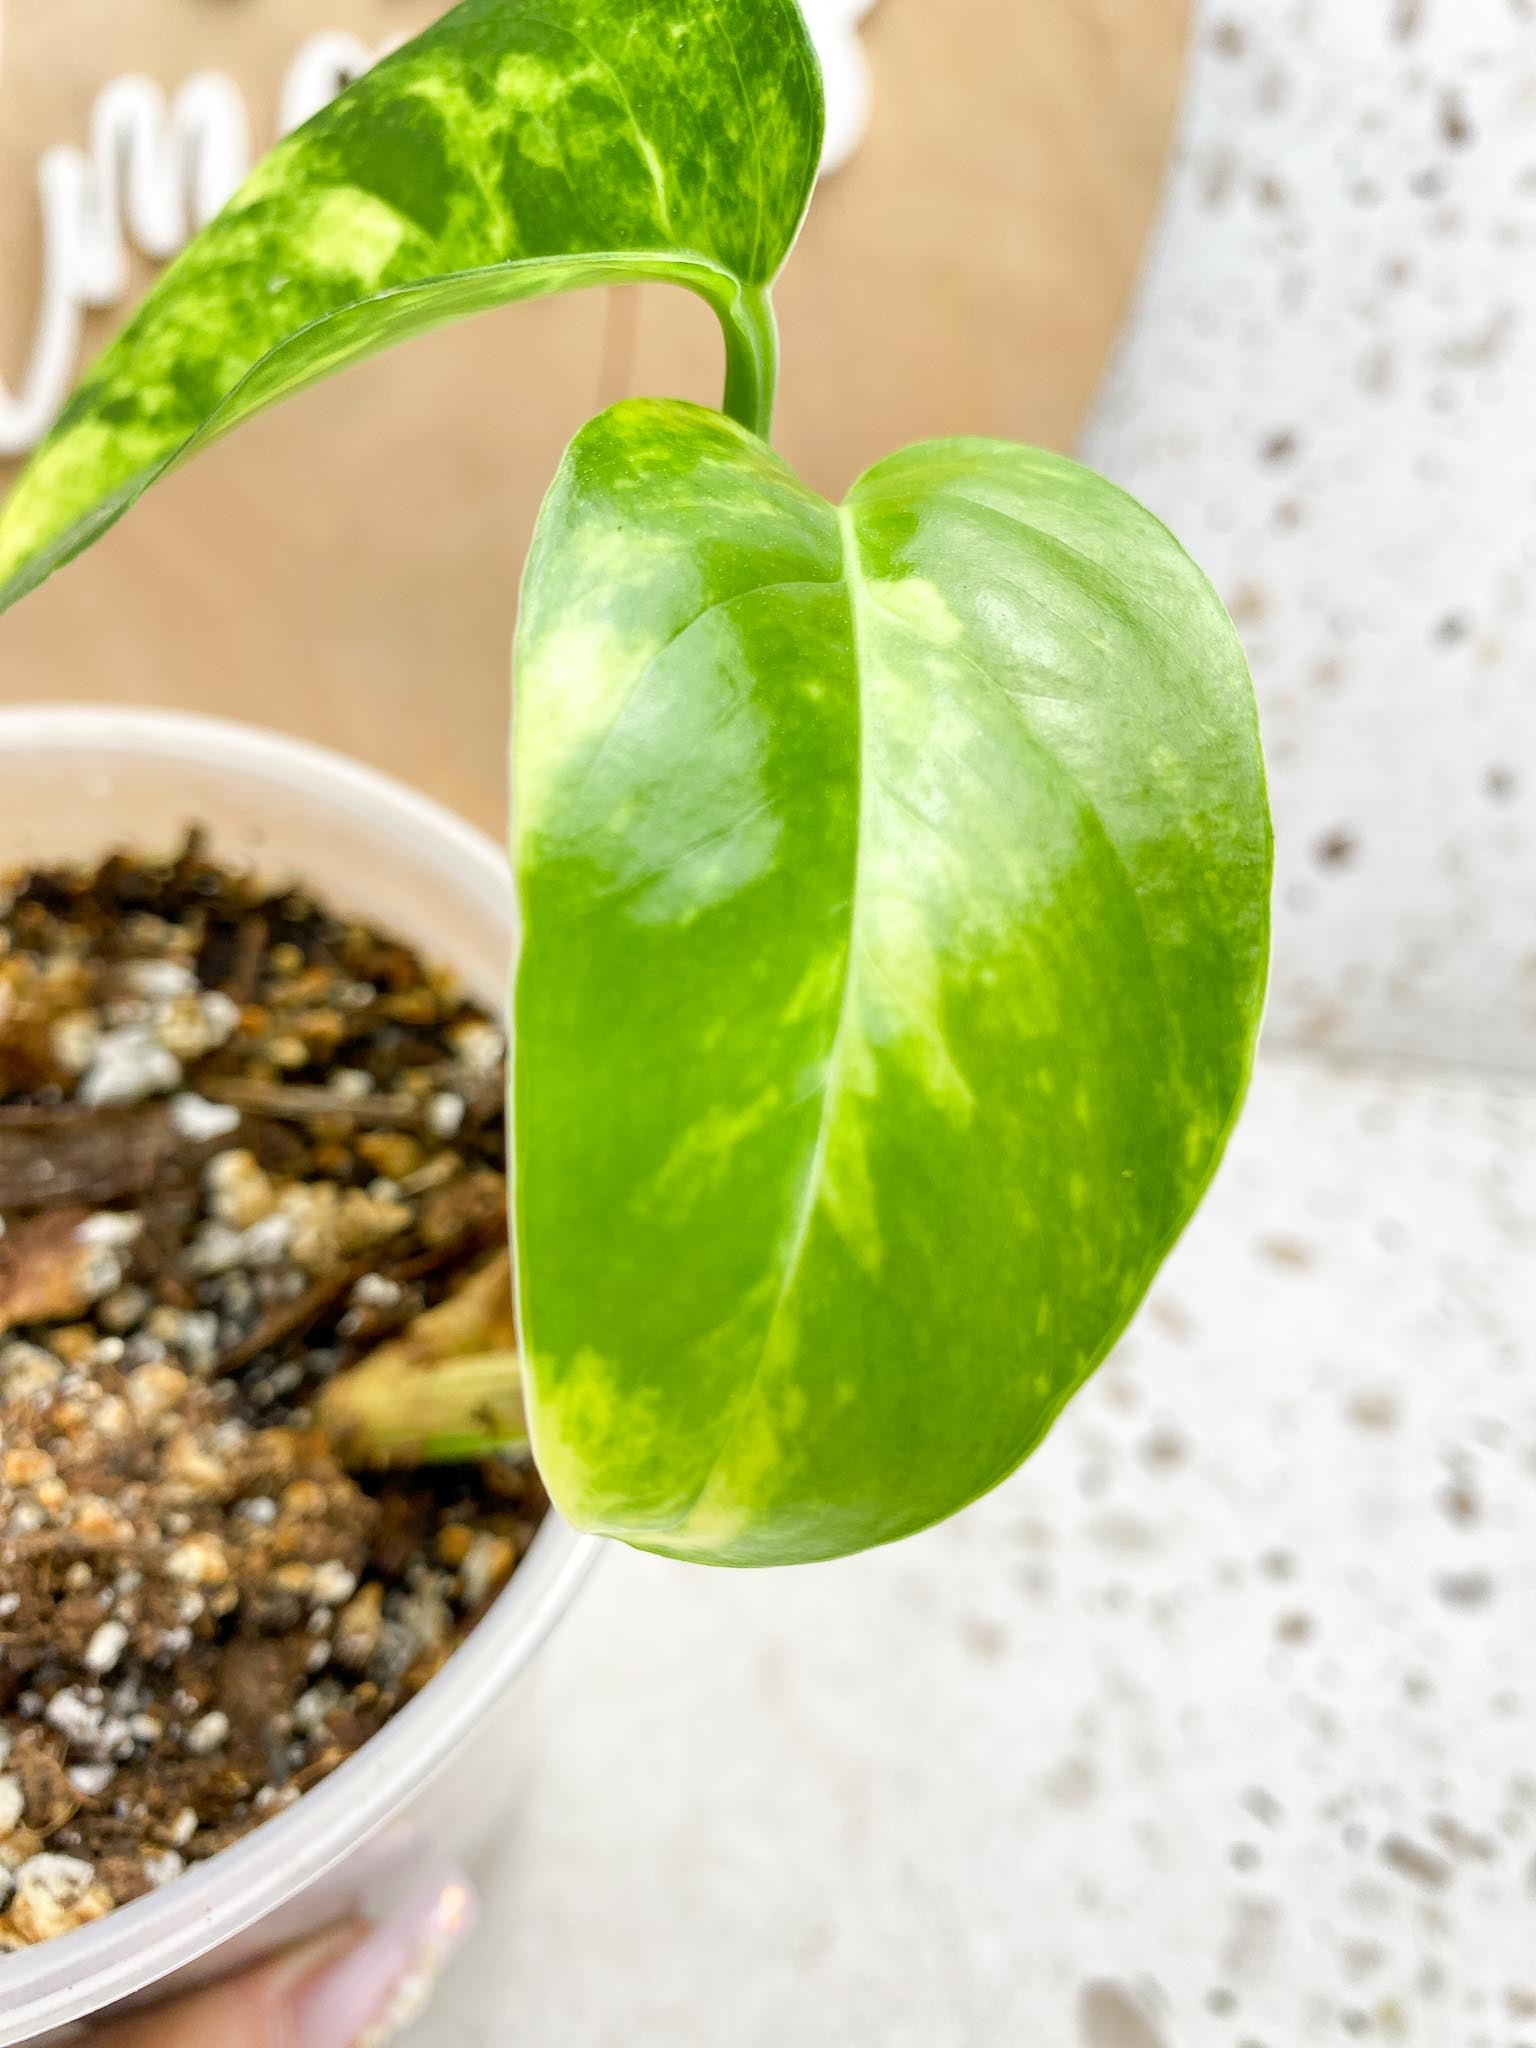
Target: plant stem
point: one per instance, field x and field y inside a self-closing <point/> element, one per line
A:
<point x="391" y="1412"/>
<point x="751" y="360"/>
<point x="447" y="1391"/>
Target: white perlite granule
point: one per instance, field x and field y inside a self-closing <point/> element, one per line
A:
<point x="91" y="1780"/>
<point x="106" y="1647"/>
<point x="375" y="1290"/>
<point x="208" y="1734"/>
<point x="332" y="1584"/>
<point x="161" y="980"/>
<point x="129" y="1066"/>
<point x="161" y="1867"/>
<point x="54" y="1895"/>
<point x="13" y="1804"/>
<point x="74" y="1717"/>
<point x="200" y="1122"/>
<point x="109" y="1231"/>
<point x="445" y="1115"/>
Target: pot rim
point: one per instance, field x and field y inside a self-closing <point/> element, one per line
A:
<point x="143" y="1944"/>
<point x="259" y="751"/>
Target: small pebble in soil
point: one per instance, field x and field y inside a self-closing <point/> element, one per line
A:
<point x="244" y="1141"/>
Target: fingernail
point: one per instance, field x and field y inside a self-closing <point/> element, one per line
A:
<point x="386" y="1980"/>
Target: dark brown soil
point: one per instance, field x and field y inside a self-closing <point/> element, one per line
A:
<point x="242" y="1143"/>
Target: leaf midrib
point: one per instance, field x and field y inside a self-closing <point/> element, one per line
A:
<point x="831" y="1088"/>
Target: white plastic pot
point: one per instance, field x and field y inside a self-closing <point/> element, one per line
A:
<point x="76" y="782"/>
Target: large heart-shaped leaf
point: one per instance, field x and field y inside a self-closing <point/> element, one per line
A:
<point x="896" y="895"/>
<point x="518" y="148"/>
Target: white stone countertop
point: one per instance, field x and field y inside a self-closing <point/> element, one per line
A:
<point x="1210" y="1730"/>
<point x="1328" y="390"/>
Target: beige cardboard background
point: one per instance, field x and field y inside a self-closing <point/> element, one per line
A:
<point x="347" y="568"/>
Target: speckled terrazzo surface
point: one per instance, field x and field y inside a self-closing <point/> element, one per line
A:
<point x="1211" y="1730"/>
<point x="1330" y="390"/>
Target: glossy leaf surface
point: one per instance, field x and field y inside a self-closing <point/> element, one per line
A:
<point x="518" y="148"/>
<point x="895" y="883"/>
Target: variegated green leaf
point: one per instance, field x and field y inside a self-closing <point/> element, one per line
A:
<point x="518" y="148"/>
<point x="896" y="894"/>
